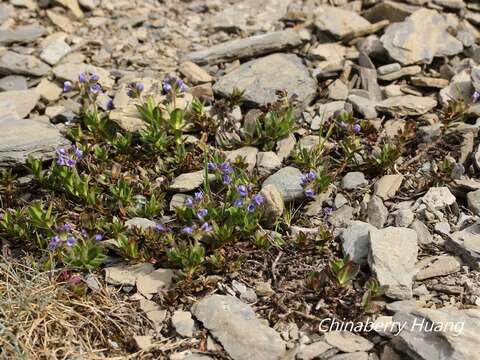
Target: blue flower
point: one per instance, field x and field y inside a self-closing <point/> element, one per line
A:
<point x="242" y="190"/>
<point x="52" y="245"/>
<point x="65" y="227"/>
<point x="187" y="230"/>
<point x="251" y="207"/>
<point x="71" y="241"/>
<point x="201" y="213"/>
<point x="82" y="78"/>
<point x="110" y="104"/>
<point x="309" y="193"/>
<point x="356" y="128"/>
<point x="227" y="179"/>
<point x="94" y="78"/>
<point x="475" y="96"/>
<point x="328" y="211"/>
<point x="67" y="86"/>
<point x="211" y="166"/>
<point x="70" y="163"/>
<point x="226" y="168"/>
<point x="78" y="153"/>
<point x="311" y="176"/>
<point x="98" y="237"/>
<point x="95" y="89"/>
<point x="159" y="228"/>
<point x="238" y="203"/>
<point x="206" y="227"/>
<point x="257" y="199"/>
<point x="304" y="180"/>
<point x="189" y="202"/>
<point x="198" y="196"/>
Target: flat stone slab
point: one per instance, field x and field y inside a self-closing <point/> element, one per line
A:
<point x="22" y="34"/>
<point x="420" y="38"/>
<point x="13" y="63"/>
<point x="339" y="22"/>
<point x="407" y="105"/>
<point x="260" y="80"/>
<point x="22" y="137"/>
<point x="288" y="183"/>
<point x="235" y="325"/>
<point x="23" y="101"/>
<point x="249" y="47"/>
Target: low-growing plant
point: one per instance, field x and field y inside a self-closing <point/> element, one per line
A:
<point x="342" y="271"/>
<point x="384" y="159"/>
<point x="373" y="290"/>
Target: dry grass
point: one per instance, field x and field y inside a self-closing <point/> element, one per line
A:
<point x="42" y="318"/>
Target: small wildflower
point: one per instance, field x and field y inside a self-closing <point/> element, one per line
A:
<point x="226" y="168"/>
<point x="67" y="86"/>
<point x="251" y="207"/>
<point x="201" y="213"/>
<point x="95" y="89"/>
<point x="110" y="104"/>
<point x="211" y="166"/>
<point x="94" y="78"/>
<point x="139" y="87"/>
<point x="52" y="245"/>
<point x="257" y="199"/>
<point x="198" y="196"/>
<point x="227" y="179"/>
<point x="309" y="193"/>
<point x="475" y="96"/>
<point x="311" y="176"/>
<point x="82" y="78"/>
<point x="71" y="241"/>
<point x="98" y="237"/>
<point x="242" y="190"/>
<point x="357" y="128"/>
<point x="65" y="227"/>
<point x="189" y="203"/>
<point x="328" y="211"/>
<point x="206" y="227"/>
<point x="187" y="230"/>
<point x="78" y="153"/>
<point x="159" y="228"/>
<point x="70" y="163"/>
<point x="238" y="203"/>
<point x="303" y="180"/>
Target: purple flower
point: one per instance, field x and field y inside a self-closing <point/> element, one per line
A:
<point x="139" y="87"/>
<point x="61" y="161"/>
<point x="187" y="230"/>
<point x="65" y="227"/>
<point x="95" y="89"/>
<point x="251" y="207"/>
<point x="242" y="190"/>
<point x="311" y="176"/>
<point x="110" y="104"/>
<point x="71" y="241"/>
<point x="82" y="78"/>
<point x="309" y="193"/>
<point x="357" y="128"/>
<point x="60" y="151"/>
<point x="475" y="96"/>
<point x="211" y="166"/>
<point x="67" y="86"/>
<point x="201" y="213"/>
<point x="78" y="153"/>
<point x="70" y="163"/>
<point x="52" y="245"/>
<point x="94" y="78"/>
<point x="189" y="203"/>
<point x="227" y="179"/>
<point x="257" y="199"/>
<point x="98" y="237"/>
<point x="159" y="228"/>
<point x="180" y="85"/>
<point x="167" y="87"/>
<point x="238" y="203"/>
<point x="303" y="180"/>
<point x="226" y="168"/>
<point x="328" y="211"/>
<point x="206" y="227"/>
<point x="198" y="196"/>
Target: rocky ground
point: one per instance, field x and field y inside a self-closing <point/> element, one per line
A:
<point x="385" y="112"/>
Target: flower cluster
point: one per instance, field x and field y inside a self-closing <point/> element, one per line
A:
<point x="251" y="202"/>
<point x="195" y="203"/>
<point x="475" y="96"/>
<point x="135" y="89"/>
<point x="172" y="84"/>
<point x="66" y="236"/>
<point x="307" y="181"/>
<point x="68" y="157"/>
<point x="87" y="83"/>
<point x="225" y="170"/>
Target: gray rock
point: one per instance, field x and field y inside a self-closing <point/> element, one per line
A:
<point x="273" y="206"/>
<point x="455" y="335"/>
<point x="288" y="183"/>
<point x="438" y="198"/>
<point x="351" y="356"/>
<point x="247" y="153"/>
<point x="402" y="305"/>
<point x="183" y="323"/>
<point x="387" y="186"/>
<point x="13" y="63"/>
<point x="392" y="257"/>
<point x="451" y="4"/>
<point x="23" y="101"/>
<point x="140" y="223"/>
<point x="313" y="351"/>
<point x="363" y="105"/>
<point x="389" y="68"/>
<point x="149" y="284"/>
<point x="250" y="47"/>
<point x="407" y="105"/>
<point x="22" y="34"/>
<point x="466" y="244"/>
<point x="190" y="181"/>
<point x="326" y="111"/>
<point x="473" y="199"/>
<point x="389" y="10"/>
<point x="126" y="275"/>
<point x="404" y="217"/>
<point x="420" y="38"/>
<point x="434" y="266"/>
<point x="337" y="90"/>
<point x="194" y="73"/>
<point x="403" y="72"/>
<point x="55" y="51"/>
<point x="20" y="138"/>
<point x="348" y="342"/>
<point x="356" y="241"/>
<point x="377" y="213"/>
<point x="236" y="327"/>
<point x="246" y="294"/>
<point x="341" y="217"/>
<point x="424" y="237"/>
<point x="460" y="88"/>
<point x="429" y="82"/>
<point x="338" y="22"/>
<point x="89" y="4"/>
<point x="13" y="82"/>
<point x="267" y="162"/>
<point x="262" y="78"/>
<point x="353" y="180"/>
